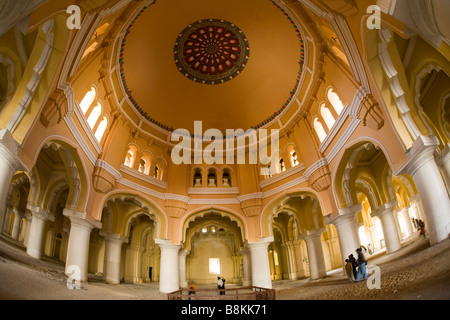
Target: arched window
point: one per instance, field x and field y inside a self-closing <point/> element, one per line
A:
<point x="131" y="156"/>
<point x="319" y="129"/>
<point x="335" y="101"/>
<point x="327" y="116"/>
<point x="212" y="178"/>
<point x="226" y="178"/>
<point x="88" y="99"/>
<point x="156" y="173"/>
<point x="282" y="165"/>
<point x="95" y="115"/>
<point x="144" y="164"/>
<point x="294" y="158"/>
<point x="101" y="129"/>
<point x="197" y="178"/>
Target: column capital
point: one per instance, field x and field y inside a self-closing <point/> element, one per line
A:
<point x="167" y="244"/>
<point x="81" y="219"/>
<point x="38" y="212"/>
<point x="9" y="150"/>
<point x="118" y="238"/>
<point x="263" y="243"/>
<point x="420" y="153"/>
<point x="184" y="252"/>
<point x="384" y="209"/>
<point x="345" y="214"/>
<point x="313" y="234"/>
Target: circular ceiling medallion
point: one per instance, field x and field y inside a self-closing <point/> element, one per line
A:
<point x="211" y="51"/>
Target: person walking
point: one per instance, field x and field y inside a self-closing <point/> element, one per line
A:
<point x="362" y="272"/>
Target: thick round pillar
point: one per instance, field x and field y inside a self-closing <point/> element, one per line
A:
<point x="422" y="167"/>
<point x="182" y="267"/>
<point x="169" y="274"/>
<point x="347" y="232"/>
<point x="386" y="214"/>
<point x="78" y="246"/>
<point x="404" y="213"/>
<point x="9" y="165"/>
<point x="444" y="165"/>
<point x="113" y="254"/>
<point x="260" y="263"/>
<point x="316" y="259"/>
<point x="35" y="245"/>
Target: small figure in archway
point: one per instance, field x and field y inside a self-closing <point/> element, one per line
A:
<point x="422" y="228"/>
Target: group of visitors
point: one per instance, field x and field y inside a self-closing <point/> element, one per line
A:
<point x="220" y="286"/>
<point x="356" y="267"/>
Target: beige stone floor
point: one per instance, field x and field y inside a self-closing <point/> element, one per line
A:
<point x="416" y="271"/>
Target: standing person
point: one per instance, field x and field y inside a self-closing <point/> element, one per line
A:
<point x="349" y="269"/>
<point x="223" y="286"/>
<point x="219" y="284"/>
<point x="422" y="228"/>
<point x="354" y="263"/>
<point x="362" y="272"/>
<point x="416" y="223"/>
<point x="192" y="289"/>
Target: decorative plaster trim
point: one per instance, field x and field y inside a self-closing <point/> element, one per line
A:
<point x="143" y="177"/>
<point x="80" y="139"/>
<point x="280" y="176"/>
<point x="233" y="190"/>
<point x="394" y="83"/>
<point x="87" y="128"/>
<point x="335" y="129"/>
<point x="10" y="65"/>
<point x="35" y="78"/>
<point x="109" y="168"/>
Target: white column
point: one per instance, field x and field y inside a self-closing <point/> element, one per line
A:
<point x="182" y="260"/>
<point x="247" y="263"/>
<point x="260" y="263"/>
<point x="78" y="246"/>
<point x="36" y="239"/>
<point x="404" y="213"/>
<point x="9" y="165"/>
<point x="113" y="254"/>
<point x="168" y="274"/>
<point x="444" y="165"/>
<point x="16" y="227"/>
<point x="29" y="218"/>
<point x="422" y="167"/>
<point x="387" y="219"/>
<point x="316" y="259"/>
<point x="347" y="232"/>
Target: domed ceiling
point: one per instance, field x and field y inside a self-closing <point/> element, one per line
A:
<point x="228" y="63"/>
